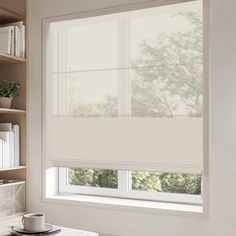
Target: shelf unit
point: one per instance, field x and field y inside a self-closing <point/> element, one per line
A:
<point x="14" y="68"/>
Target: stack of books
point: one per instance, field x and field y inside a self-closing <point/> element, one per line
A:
<point x="9" y="145"/>
<point x="12" y="39"/>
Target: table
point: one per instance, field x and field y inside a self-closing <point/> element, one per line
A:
<point x="7" y="222"/>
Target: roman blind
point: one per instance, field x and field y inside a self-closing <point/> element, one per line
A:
<point x="123" y="92"/>
<point x="148" y="144"/>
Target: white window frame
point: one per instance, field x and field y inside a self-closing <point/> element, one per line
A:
<point x="165" y="197"/>
<point x="124" y="190"/>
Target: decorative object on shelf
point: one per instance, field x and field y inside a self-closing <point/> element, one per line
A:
<point x="8" y="90"/>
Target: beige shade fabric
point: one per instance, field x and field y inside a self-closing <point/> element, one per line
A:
<point x="147" y="144"/>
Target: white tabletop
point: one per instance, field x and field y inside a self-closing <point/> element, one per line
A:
<point x="7" y="222"/>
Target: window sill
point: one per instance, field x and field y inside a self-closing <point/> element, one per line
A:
<point x="125" y="204"/>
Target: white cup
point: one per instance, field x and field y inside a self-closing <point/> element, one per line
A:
<point x="34" y="222"/>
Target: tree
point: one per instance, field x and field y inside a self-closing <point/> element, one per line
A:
<point x="146" y="181"/>
<point x="93" y="177"/>
<point x="181" y="183"/>
<point x="169" y="73"/>
<point x="106" y="108"/>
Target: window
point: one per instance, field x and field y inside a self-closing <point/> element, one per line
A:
<point x="171" y="187"/>
<point x="124" y="103"/>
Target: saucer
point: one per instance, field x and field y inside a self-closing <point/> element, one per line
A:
<point x="20" y="229"/>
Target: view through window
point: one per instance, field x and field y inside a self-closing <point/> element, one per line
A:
<point x="151" y="66"/>
<point x="143" y="181"/>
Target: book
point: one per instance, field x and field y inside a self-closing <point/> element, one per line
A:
<point x="19" y="39"/>
<point x="10" y="139"/>
<point x="16" y="131"/>
<point x="5" y="126"/>
<point x="1" y="153"/>
<point x="6" y="36"/>
<point x="12" y="39"/>
<point x="5" y="137"/>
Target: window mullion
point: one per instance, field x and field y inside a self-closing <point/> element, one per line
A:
<point x="123" y="70"/>
<point x="62" y="77"/>
<point x="123" y="181"/>
<point x="123" y="90"/>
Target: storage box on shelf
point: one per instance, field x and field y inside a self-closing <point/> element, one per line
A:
<point x="12" y="193"/>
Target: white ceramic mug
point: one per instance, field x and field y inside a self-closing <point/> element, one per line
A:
<point x="34" y="222"/>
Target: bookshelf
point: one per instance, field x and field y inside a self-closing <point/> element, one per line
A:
<point x="14" y="68"/>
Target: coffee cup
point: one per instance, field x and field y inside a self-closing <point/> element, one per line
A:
<point x="34" y="222"/>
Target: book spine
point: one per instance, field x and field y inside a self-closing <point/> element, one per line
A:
<point x="16" y="130"/>
<point x="1" y="153"/>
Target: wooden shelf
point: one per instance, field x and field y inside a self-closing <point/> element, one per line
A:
<point x="8" y="16"/>
<point x="12" y="111"/>
<point x="9" y="59"/>
<point x="13" y="168"/>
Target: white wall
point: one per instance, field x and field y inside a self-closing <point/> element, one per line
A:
<point x="221" y="219"/>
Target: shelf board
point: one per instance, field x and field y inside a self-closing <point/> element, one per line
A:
<point x="12" y="111"/>
<point x="9" y="16"/>
<point x="13" y="168"/>
<point x="9" y="59"/>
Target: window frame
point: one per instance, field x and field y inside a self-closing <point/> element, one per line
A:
<point x="177" y="198"/>
<point x="124" y="190"/>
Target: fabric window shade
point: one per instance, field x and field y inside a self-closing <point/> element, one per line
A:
<point x="125" y="91"/>
<point x="147" y="144"/>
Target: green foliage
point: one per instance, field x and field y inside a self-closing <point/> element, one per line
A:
<point x="143" y="181"/>
<point x="93" y="177"/>
<point x="146" y="181"/>
<point x="166" y="182"/>
<point x="9" y="89"/>
<point x="181" y="183"/>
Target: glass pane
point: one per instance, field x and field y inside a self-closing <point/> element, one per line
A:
<point x="167" y="91"/>
<point x="92" y="44"/>
<point x="166" y="182"/>
<point x="93" y="94"/>
<point x="87" y="94"/>
<point x="168" y="61"/>
<point x="93" y="177"/>
<point x="163" y="62"/>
